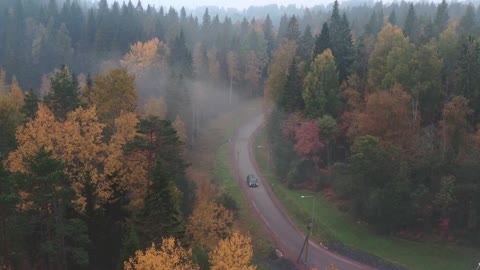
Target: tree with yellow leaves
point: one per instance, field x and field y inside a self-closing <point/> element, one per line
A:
<point x="209" y="223"/>
<point x="144" y="56"/>
<point x="155" y="106"/>
<point x="113" y="93"/>
<point x="171" y="255"/>
<point x="180" y="128"/>
<point x="234" y="252"/>
<point x="16" y="93"/>
<point x="78" y="142"/>
<point x="127" y="171"/>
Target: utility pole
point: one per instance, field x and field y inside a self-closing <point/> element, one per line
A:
<point x="305" y="246"/>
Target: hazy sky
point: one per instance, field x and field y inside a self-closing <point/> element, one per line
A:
<point x="240" y="4"/>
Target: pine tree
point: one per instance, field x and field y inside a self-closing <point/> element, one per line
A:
<point x="282" y="29"/>
<point x="269" y="35"/>
<point x="392" y="19"/>
<point x="322" y="42"/>
<point x="306" y="44"/>
<point x="410" y="28"/>
<point x="8" y="200"/>
<point x="291" y="99"/>
<point x="60" y="236"/>
<point x="31" y="104"/>
<point x="160" y="143"/>
<point x="63" y="96"/>
<point x="467" y="22"/>
<point x="293" y="31"/>
<point x="441" y="18"/>
<point x="180" y="57"/>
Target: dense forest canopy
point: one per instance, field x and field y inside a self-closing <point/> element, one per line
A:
<point x="100" y="102"/>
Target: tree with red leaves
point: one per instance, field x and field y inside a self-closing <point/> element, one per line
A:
<point x="308" y="145"/>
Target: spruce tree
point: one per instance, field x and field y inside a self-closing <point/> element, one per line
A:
<point x="341" y="43"/>
<point x="410" y="28"/>
<point x="322" y="42"/>
<point x="31" y="104"/>
<point x="63" y="96"/>
<point x="291" y="99"/>
<point x="57" y="234"/>
<point x="441" y="18"/>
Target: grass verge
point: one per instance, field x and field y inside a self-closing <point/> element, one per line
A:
<point x="332" y="224"/>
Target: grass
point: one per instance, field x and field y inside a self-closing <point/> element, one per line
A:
<point x="332" y="224"/>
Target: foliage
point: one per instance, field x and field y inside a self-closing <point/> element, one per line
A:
<point x="321" y="93"/>
<point x="209" y="223"/>
<point x="234" y="252"/>
<point x="171" y="255"/>
<point x="113" y="93"/>
<point x="63" y="95"/>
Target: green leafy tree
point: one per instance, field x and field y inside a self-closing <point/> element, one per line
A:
<point x="384" y="68"/>
<point x="328" y="131"/>
<point x="468" y="80"/>
<point x="321" y="93"/>
<point x="381" y="186"/>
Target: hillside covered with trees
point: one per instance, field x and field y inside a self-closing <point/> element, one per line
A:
<point x="100" y="104"/>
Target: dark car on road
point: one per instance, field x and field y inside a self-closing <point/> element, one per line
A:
<point x="252" y="181"/>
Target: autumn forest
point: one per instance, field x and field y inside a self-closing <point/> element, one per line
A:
<point x="101" y="103"/>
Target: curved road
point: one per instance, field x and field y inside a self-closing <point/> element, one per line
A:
<point x="288" y="237"/>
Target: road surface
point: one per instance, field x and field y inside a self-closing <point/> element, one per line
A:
<point x="289" y="239"/>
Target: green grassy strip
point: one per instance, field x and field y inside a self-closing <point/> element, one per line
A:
<point x="330" y="223"/>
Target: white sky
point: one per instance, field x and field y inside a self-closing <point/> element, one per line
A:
<point x="240" y="4"/>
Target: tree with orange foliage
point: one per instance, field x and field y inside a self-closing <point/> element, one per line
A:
<point x="171" y="255"/>
<point x="388" y="116"/>
<point x="209" y="223"/>
<point x="152" y="54"/>
<point x="234" y="252"/>
<point x="78" y="142"/>
<point x="127" y="171"/>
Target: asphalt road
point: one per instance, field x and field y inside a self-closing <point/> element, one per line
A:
<point x="289" y="239"/>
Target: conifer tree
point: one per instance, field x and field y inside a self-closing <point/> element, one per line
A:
<point x="291" y="99"/>
<point x="63" y="96"/>
<point x="322" y="42"/>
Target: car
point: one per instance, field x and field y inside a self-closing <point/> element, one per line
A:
<point x="252" y="181"/>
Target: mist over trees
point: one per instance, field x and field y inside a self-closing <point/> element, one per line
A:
<point x="98" y="105"/>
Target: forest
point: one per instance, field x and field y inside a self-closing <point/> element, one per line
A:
<point x="100" y="104"/>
